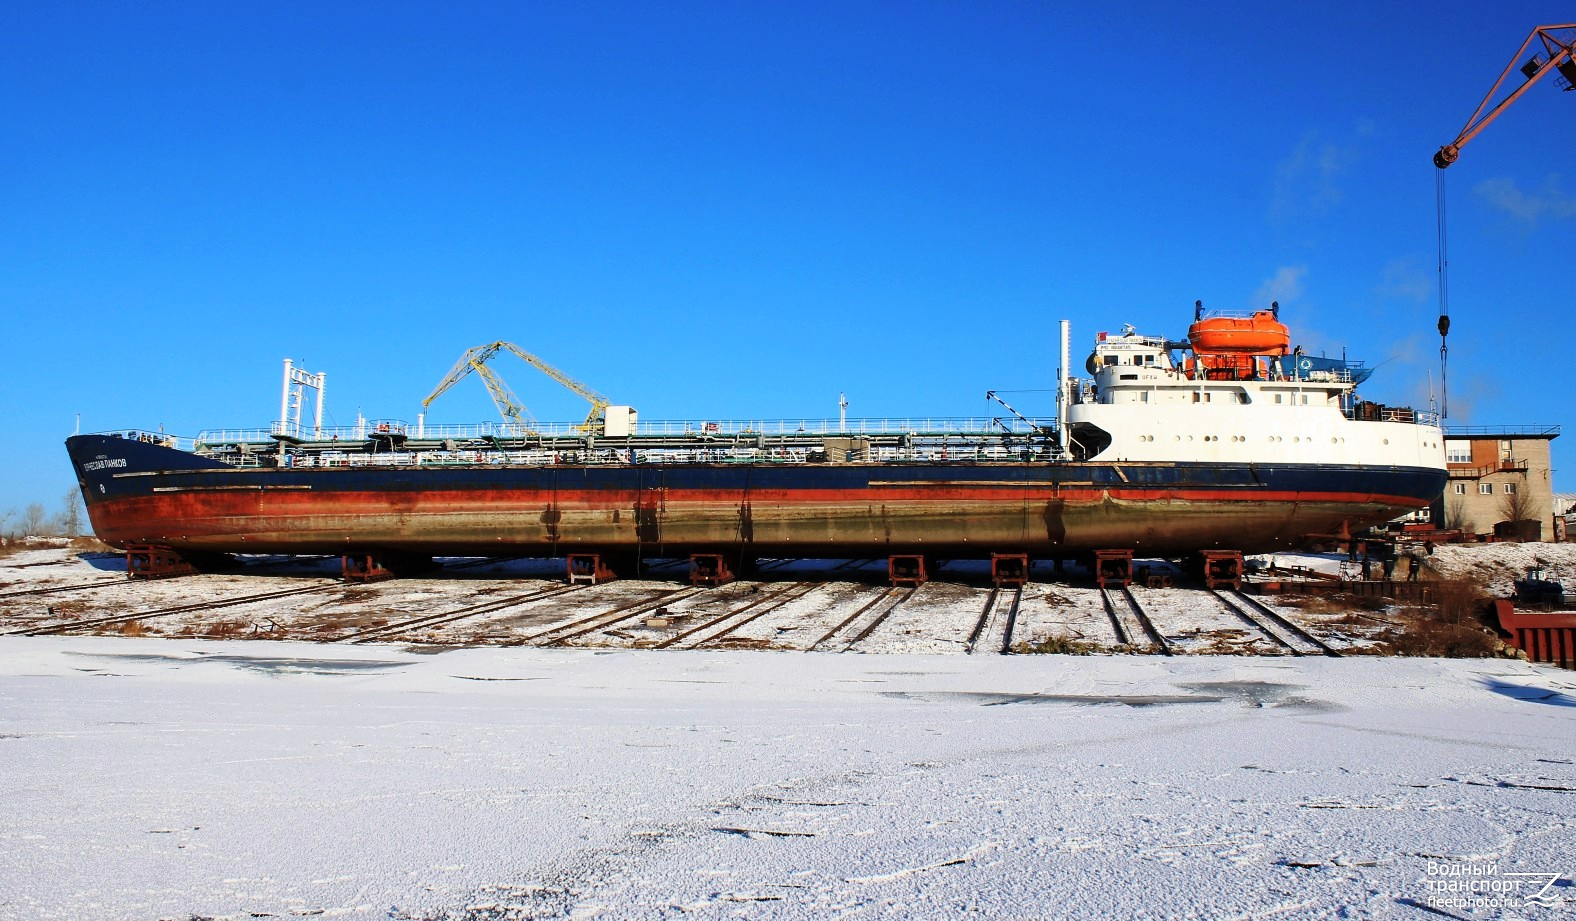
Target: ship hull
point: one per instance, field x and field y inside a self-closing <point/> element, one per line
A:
<point x="140" y="493"/>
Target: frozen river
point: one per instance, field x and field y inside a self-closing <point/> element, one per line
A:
<point x="170" y="778"/>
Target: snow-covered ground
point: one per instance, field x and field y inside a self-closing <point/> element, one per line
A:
<point x="1498" y="565"/>
<point x="827" y="606"/>
<point x="184" y="778"/>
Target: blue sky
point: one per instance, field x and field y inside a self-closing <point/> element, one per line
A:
<point x="738" y="210"/>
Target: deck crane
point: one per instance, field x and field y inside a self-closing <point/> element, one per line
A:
<point x="1559" y="54"/>
<point x="509" y="405"/>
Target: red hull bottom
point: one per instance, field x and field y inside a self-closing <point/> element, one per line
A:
<point x="952" y="527"/>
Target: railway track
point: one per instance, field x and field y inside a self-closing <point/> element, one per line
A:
<point x="562" y="633"/>
<point x="985" y="626"/>
<point x="444" y="618"/>
<point x="756" y="609"/>
<point x="43" y="563"/>
<point x="1136" y="612"/>
<point x="87" y="623"/>
<point x="883" y="605"/>
<point x="1284" y="633"/>
<point x="75" y="586"/>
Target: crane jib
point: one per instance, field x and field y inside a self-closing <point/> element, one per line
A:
<point x="509" y="405"/>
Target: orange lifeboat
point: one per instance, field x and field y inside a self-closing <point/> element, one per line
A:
<point x="1259" y="334"/>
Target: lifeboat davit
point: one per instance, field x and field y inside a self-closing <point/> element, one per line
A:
<point x="1259" y="334"/>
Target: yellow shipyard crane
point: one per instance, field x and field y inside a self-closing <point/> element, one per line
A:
<point x="509" y="405"/>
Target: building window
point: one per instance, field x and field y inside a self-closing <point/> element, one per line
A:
<point x="1458" y="452"/>
<point x="1510" y="489"/>
<point x="1486" y="489"/>
<point x="1461" y="489"/>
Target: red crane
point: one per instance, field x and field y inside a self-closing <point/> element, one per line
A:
<point x="1559" y="54"/>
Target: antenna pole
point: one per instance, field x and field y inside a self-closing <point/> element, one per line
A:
<point x="284" y="401"/>
<point x="1061" y="386"/>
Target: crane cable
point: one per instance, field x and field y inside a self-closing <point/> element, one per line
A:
<point x="1444" y="291"/>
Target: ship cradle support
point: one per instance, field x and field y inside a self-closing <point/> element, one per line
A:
<point x="378" y="566"/>
<point x="150" y="561"/>
<point x="1111" y="568"/>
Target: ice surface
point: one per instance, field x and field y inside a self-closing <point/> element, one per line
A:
<point x="180" y="778"/>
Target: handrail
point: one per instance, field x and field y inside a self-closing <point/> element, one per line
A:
<point x="622" y="457"/>
<point x="1525" y="431"/>
<point x="1504" y="464"/>
<point x="914" y="425"/>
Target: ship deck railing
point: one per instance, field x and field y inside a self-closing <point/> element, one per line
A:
<point x="624" y="457"/>
<point x="1418" y="416"/>
<point x="699" y="428"/>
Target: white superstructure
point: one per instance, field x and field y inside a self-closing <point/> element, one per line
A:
<point x="1142" y="406"/>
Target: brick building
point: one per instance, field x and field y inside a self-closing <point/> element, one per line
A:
<point x="1497" y="475"/>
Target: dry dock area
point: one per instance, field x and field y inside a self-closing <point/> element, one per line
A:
<point x="793" y="606"/>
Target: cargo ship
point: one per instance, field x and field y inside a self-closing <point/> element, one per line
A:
<point x="1230" y="439"/>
